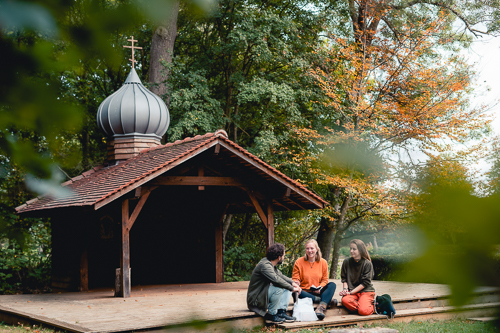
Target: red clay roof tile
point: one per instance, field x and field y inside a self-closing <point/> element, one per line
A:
<point x="102" y="182"/>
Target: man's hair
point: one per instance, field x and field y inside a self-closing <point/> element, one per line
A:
<point x="275" y="251"/>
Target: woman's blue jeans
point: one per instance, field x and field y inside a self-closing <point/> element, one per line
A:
<point x="326" y="293"/>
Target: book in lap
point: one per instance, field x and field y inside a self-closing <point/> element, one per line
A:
<point x="314" y="288"/>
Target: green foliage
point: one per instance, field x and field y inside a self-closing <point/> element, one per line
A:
<point x="26" y="270"/>
<point x="389" y="267"/>
<point x="239" y="262"/>
<point x="345" y="251"/>
<point x="242" y="68"/>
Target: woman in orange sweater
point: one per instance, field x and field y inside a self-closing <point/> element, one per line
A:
<point x="311" y="272"/>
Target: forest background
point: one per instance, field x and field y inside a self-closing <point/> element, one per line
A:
<point x="339" y="95"/>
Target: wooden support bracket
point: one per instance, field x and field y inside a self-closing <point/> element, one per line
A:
<point x="258" y="208"/>
<point x="201" y="173"/>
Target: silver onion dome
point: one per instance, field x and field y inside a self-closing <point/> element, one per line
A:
<point x="133" y="112"/>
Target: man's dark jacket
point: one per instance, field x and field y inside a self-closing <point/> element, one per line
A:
<point x="262" y="276"/>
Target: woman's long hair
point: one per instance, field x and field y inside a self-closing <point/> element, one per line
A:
<point x="318" y="253"/>
<point x="361" y="248"/>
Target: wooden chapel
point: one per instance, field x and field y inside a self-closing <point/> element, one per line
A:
<point x="155" y="211"/>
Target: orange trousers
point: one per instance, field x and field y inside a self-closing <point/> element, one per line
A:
<point x="360" y="302"/>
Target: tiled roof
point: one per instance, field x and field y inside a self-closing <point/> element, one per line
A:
<point x="104" y="182"/>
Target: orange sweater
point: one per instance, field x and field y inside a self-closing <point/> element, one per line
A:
<point x="307" y="276"/>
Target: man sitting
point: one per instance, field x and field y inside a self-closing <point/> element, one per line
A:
<point x="269" y="290"/>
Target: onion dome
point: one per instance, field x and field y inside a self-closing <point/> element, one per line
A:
<point x="133" y="112"/>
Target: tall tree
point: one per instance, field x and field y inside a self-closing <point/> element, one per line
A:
<point x="393" y="90"/>
<point x="162" y="50"/>
<point x="242" y="69"/>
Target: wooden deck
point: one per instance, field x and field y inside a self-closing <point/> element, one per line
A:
<point x="152" y="307"/>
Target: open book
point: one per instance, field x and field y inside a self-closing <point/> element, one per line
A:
<point x="314" y="288"/>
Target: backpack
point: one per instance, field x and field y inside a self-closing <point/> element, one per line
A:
<point x="384" y="306"/>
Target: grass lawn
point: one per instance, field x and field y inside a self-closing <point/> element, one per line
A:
<point x="451" y="326"/>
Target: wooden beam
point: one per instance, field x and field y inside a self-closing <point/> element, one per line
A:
<point x="193" y="180"/>
<point x="137" y="210"/>
<point x="280" y="204"/>
<point x="219" y="249"/>
<point x="295" y="203"/>
<point x="270" y="225"/>
<point x="273" y="175"/>
<point x="124" y="290"/>
<point x="258" y="208"/>
<point x="84" y="271"/>
<point x="217" y="149"/>
<point x="152" y="176"/>
<point x="201" y="172"/>
<point x="288" y="192"/>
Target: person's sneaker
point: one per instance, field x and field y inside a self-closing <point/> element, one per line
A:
<point x="333" y="303"/>
<point x="287" y="318"/>
<point x="273" y="319"/>
<point x="320" y="312"/>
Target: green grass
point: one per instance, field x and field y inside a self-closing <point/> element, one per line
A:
<point x="24" y="328"/>
<point x="448" y="326"/>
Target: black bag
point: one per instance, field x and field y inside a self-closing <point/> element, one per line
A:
<point x="384" y="306"/>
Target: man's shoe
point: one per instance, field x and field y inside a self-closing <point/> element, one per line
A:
<point x="273" y="319"/>
<point x="320" y="312"/>
<point x="287" y="318"/>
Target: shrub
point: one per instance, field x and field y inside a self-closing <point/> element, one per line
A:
<point x="239" y="262"/>
<point x="26" y="270"/>
<point x="387" y="267"/>
<point x="345" y="251"/>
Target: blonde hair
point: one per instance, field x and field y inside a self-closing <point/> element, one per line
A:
<point x="318" y="253"/>
<point x="361" y="248"/>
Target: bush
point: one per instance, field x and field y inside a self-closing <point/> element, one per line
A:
<point x="387" y="267"/>
<point x="345" y="251"/>
<point x="26" y="270"/>
<point x="239" y="262"/>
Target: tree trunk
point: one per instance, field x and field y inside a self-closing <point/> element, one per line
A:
<point x="246" y="225"/>
<point x="325" y="237"/>
<point x="225" y="227"/>
<point x="336" y="254"/>
<point x="162" y="49"/>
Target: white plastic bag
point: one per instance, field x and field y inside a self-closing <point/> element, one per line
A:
<point x="303" y="310"/>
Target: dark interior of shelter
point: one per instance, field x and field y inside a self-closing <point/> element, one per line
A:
<point x="172" y="240"/>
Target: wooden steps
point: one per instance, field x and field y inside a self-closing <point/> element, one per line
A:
<point x="485" y="304"/>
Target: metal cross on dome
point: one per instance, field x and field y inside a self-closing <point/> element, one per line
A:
<point x="132" y="40"/>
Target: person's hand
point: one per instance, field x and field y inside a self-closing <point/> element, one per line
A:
<point x="344" y="292"/>
<point x="297" y="289"/>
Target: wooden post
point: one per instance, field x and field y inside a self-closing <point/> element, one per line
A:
<point x="270" y="225"/>
<point x="84" y="271"/>
<point x="219" y="249"/>
<point x="122" y="286"/>
<point x="201" y="173"/>
<point x="125" y="253"/>
<point x="219" y="258"/>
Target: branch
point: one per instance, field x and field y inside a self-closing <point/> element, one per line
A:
<point x="445" y="6"/>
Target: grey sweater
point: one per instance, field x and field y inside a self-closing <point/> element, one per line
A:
<point x="356" y="273"/>
<point x="262" y="276"/>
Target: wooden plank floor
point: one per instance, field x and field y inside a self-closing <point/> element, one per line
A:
<point x="157" y="306"/>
